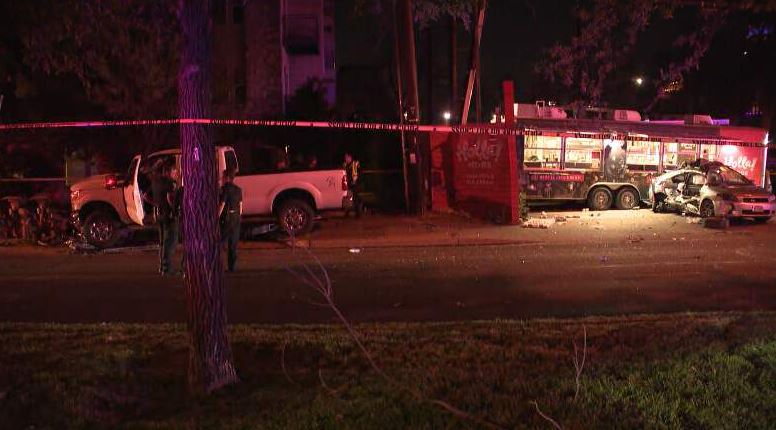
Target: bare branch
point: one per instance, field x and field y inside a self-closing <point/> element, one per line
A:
<point x="579" y="366"/>
<point x="331" y="391"/>
<point x="322" y="284"/>
<point x="546" y="418"/>
<point x="283" y="363"/>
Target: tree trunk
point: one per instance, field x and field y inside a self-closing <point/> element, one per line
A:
<point x="210" y="356"/>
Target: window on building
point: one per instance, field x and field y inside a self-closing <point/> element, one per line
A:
<point x="711" y="152"/>
<point x="643" y="156"/>
<point x="238" y="13"/>
<point x="675" y="154"/>
<point x="301" y="34"/>
<point x="583" y="153"/>
<point x="542" y="152"/>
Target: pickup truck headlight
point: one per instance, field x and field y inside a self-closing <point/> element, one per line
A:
<point x="729" y="197"/>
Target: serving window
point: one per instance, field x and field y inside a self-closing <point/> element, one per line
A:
<point x="542" y="152"/>
<point x="583" y="153"/>
<point x="643" y="156"/>
<point x="675" y="154"/>
<point x="711" y="152"/>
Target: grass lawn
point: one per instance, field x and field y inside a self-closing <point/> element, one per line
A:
<point x="667" y="371"/>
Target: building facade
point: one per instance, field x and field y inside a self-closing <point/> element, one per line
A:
<point x="266" y="50"/>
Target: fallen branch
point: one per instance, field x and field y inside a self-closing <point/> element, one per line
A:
<point x="283" y="363"/>
<point x="546" y="418"/>
<point x="321" y="283"/>
<point x="331" y="391"/>
<point x="579" y="366"/>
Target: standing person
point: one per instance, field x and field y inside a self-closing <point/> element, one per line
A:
<point x="164" y="190"/>
<point x="352" y="171"/>
<point x="229" y="212"/>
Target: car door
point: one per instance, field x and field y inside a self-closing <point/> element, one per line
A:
<point x="673" y="186"/>
<point x="132" y="198"/>
<point x="692" y="191"/>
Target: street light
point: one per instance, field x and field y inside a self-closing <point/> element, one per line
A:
<point x="639" y="80"/>
<point x="446" y="115"/>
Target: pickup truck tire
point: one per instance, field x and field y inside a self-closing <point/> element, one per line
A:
<point x="101" y="229"/>
<point x="296" y="217"/>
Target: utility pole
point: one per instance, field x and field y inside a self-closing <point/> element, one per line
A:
<point x="409" y="68"/>
<point x="474" y="70"/>
<point x="400" y="99"/>
<point x="453" y="64"/>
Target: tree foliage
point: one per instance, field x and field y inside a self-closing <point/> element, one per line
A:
<point x="426" y="11"/>
<point x="123" y="52"/>
<point x="608" y="34"/>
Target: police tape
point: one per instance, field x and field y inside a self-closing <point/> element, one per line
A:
<point x="478" y="129"/>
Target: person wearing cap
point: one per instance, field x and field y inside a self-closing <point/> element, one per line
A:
<point x="229" y="212"/>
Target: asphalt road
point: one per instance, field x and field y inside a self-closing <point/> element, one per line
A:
<point x="600" y="272"/>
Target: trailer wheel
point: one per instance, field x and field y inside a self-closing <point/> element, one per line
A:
<point x="600" y="199"/>
<point x="101" y="229"/>
<point x="627" y="198"/>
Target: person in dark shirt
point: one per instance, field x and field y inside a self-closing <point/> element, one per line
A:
<point x="229" y="212"/>
<point x="352" y="169"/>
<point x="165" y="194"/>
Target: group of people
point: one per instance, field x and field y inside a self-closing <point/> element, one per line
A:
<point x="167" y="200"/>
<point x="42" y="224"/>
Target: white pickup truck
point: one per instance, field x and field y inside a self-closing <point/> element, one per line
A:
<point x="104" y="204"/>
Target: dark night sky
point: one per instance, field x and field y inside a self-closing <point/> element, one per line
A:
<point x="517" y="35"/>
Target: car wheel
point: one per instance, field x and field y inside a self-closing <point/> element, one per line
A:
<point x="707" y="209"/>
<point x="101" y="229"/>
<point x="296" y="217"/>
<point x="600" y="199"/>
<point x="762" y="220"/>
<point x="627" y="198"/>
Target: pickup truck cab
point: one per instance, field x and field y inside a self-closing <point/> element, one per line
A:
<point x="104" y="205"/>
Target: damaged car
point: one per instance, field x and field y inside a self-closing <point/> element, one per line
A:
<point x="711" y="189"/>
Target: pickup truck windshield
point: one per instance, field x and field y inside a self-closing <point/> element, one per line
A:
<point x="731" y="177"/>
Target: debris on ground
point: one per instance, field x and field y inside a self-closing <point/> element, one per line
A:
<point x="81" y="247"/>
<point x="694" y="220"/>
<point x="634" y="239"/>
<point x="354" y="250"/>
<point x="131" y="249"/>
<point x="721" y="223"/>
<point x="539" y="223"/>
<point x="603" y="258"/>
<point x="560" y="219"/>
